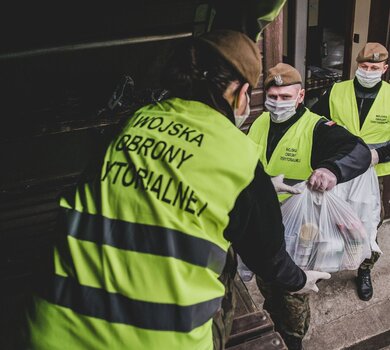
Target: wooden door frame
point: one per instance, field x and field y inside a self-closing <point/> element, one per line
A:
<point x="291" y="31"/>
<point x="379" y="31"/>
<point x="379" y="25"/>
<point x="296" y="31"/>
<point x="300" y="22"/>
<point x="349" y="26"/>
<point x="273" y="43"/>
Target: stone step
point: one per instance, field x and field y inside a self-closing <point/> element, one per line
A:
<point x="339" y="319"/>
<point x="373" y="343"/>
<point x="252" y="329"/>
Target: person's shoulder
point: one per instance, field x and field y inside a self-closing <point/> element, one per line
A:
<point x="339" y="86"/>
<point x="385" y="84"/>
<point x="262" y="118"/>
<point x="343" y="84"/>
<point x="320" y="118"/>
<point x="327" y="123"/>
<point x="323" y="122"/>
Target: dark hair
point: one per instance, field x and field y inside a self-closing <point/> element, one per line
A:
<point x="194" y="66"/>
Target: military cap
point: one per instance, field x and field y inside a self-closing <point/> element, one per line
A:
<point x="282" y="75"/>
<point x="238" y="50"/>
<point x="372" y="52"/>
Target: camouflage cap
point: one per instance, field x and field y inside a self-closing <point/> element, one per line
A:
<point x="238" y="50"/>
<point x="282" y="75"/>
<point x="372" y="52"/>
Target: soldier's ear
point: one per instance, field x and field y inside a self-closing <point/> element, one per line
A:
<point x="385" y="67"/>
<point x="242" y="93"/>
<point x="241" y="100"/>
<point x="301" y="96"/>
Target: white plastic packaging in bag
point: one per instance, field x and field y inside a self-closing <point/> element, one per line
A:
<point x="322" y="232"/>
<point x="362" y="193"/>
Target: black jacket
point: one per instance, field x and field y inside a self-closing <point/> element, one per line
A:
<point x="334" y="148"/>
<point x="255" y="227"/>
<point x="365" y="98"/>
<point x="257" y="234"/>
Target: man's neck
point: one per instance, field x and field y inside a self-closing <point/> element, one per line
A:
<point x="363" y="92"/>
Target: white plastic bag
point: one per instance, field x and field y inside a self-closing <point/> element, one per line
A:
<point x="322" y="232"/>
<point x="243" y="270"/>
<point x="362" y="193"/>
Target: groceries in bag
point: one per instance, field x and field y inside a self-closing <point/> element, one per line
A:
<point x="362" y="193"/>
<point x="322" y="232"/>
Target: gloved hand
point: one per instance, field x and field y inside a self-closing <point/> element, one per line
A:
<point x="311" y="279"/>
<point x="281" y="187"/>
<point x="322" y="180"/>
<point x="374" y="157"/>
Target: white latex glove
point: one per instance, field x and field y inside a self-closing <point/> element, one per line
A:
<point x="281" y="187"/>
<point x="374" y="157"/>
<point x="322" y="180"/>
<point x="311" y="279"/>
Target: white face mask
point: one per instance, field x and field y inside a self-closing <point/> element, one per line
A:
<point x="240" y="119"/>
<point x="368" y="79"/>
<point x="280" y="111"/>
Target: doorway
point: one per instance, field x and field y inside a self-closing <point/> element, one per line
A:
<point x="329" y="44"/>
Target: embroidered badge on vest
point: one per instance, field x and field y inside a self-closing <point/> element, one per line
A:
<point x="375" y="56"/>
<point x="278" y="80"/>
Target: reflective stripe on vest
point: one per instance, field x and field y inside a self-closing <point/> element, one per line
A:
<point x="145" y="245"/>
<point x="376" y="127"/>
<point x="292" y="155"/>
<point x="145" y="238"/>
<point x="116" y="308"/>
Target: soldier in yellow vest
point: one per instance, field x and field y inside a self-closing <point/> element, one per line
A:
<point x="362" y="105"/>
<point x="143" y="245"/>
<point x="303" y="146"/>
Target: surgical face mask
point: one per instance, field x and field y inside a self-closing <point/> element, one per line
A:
<point x="240" y="119"/>
<point x="281" y="111"/>
<point x="368" y="79"/>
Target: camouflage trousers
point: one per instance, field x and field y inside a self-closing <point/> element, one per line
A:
<point x="369" y="263"/>
<point x="223" y="319"/>
<point x="289" y="312"/>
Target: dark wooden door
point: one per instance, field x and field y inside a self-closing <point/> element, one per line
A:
<point x="379" y="31"/>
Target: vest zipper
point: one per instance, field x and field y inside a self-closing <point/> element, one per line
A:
<point x="360" y="113"/>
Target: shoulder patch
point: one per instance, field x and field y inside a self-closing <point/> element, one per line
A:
<point x="330" y="123"/>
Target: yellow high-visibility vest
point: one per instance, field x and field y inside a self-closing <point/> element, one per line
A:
<point x="376" y="128"/>
<point x="144" y="246"/>
<point x="292" y="155"/>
